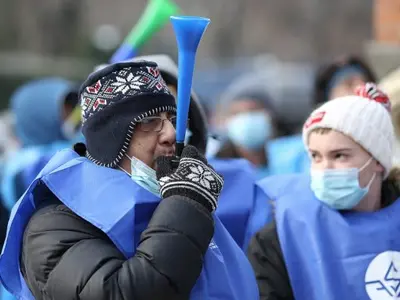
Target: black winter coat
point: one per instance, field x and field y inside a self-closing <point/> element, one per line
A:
<point x="65" y="257"/>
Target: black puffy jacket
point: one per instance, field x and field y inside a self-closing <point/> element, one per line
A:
<point x="65" y="257"/>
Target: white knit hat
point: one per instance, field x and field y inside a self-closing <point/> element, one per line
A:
<point x="363" y="117"/>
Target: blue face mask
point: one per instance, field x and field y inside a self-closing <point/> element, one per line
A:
<point x="339" y="188"/>
<point x="144" y="176"/>
<point x="250" y="130"/>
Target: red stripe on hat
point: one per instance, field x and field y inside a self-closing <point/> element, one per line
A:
<point x="371" y="91"/>
<point x="314" y="119"/>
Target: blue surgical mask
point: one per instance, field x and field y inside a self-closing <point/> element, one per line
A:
<point x="250" y="130"/>
<point x="339" y="188"/>
<point x="144" y="176"/>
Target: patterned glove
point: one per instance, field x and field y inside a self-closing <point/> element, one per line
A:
<point x="193" y="178"/>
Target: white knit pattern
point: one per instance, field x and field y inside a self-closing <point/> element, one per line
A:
<point x="365" y="121"/>
<point x="193" y="174"/>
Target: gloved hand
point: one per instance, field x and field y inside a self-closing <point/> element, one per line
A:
<point x="194" y="178"/>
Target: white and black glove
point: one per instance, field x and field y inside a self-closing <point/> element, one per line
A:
<point x="194" y="178"/>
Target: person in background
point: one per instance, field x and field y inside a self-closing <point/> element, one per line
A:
<point x="249" y="124"/>
<point x="8" y="141"/>
<point x="41" y="109"/>
<point x="334" y="231"/>
<point x="120" y="217"/>
<point x="390" y="84"/>
<point x="335" y="79"/>
<point x="250" y="129"/>
<point x="8" y="145"/>
<point x="340" y="78"/>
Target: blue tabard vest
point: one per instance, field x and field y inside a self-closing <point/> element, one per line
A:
<point x="260" y="215"/>
<point x="238" y="198"/>
<point x="28" y="159"/>
<point x="89" y="190"/>
<point x="334" y="255"/>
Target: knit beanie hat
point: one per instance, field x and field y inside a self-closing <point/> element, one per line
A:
<point x="113" y="100"/>
<point x="365" y="117"/>
<point x="197" y="116"/>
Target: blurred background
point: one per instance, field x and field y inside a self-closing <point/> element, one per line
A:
<point x="262" y="66"/>
<point x="285" y="39"/>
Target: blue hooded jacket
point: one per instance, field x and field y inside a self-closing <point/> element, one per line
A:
<point x="38" y="110"/>
<point x="38" y="107"/>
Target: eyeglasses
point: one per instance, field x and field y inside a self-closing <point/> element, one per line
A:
<point x="155" y="123"/>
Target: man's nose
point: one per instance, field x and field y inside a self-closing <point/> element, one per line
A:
<point x="167" y="134"/>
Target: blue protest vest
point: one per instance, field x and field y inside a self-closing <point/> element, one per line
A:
<point x="334" y="255"/>
<point x="28" y="159"/>
<point x="5" y="295"/>
<point x="226" y="272"/>
<point x="237" y="200"/>
<point x="260" y="215"/>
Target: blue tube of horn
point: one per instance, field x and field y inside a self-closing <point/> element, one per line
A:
<point x="188" y="32"/>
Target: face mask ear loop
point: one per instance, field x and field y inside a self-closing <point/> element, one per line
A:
<point x="366" y="164"/>
<point x="373" y="176"/>
<point x="124" y="171"/>
<point x="370" y="182"/>
<point x="119" y="167"/>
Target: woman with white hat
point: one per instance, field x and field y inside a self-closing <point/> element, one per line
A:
<point x="335" y="234"/>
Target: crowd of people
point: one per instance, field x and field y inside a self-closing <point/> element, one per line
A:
<point x="99" y="206"/>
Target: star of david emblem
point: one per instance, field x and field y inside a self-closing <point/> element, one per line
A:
<point x="383" y="279"/>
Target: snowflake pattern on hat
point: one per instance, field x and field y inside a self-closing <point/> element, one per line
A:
<point x="121" y="84"/>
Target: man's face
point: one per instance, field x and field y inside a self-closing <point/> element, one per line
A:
<point x="153" y="137"/>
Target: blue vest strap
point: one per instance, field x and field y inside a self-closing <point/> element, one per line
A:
<point x="237" y="199"/>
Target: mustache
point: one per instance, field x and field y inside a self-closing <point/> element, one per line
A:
<point x="168" y="153"/>
<point x="164" y="153"/>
